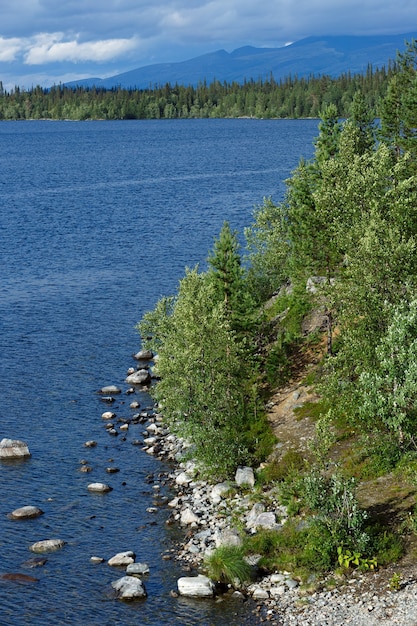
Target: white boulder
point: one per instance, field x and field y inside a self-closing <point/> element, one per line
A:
<point x="13" y="449"/>
<point x="122" y="559"/>
<point x="196" y="586"/>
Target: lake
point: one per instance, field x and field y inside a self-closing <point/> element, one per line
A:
<point x="98" y="220"/>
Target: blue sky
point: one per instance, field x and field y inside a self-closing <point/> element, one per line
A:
<point x="43" y="42"/>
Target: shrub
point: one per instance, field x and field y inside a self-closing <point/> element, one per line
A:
<point x="227" y="564"/>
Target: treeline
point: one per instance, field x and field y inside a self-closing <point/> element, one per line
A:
<point x="288" y="98"/>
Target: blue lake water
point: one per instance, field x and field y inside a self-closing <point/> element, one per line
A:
<point x="97" y="221"/>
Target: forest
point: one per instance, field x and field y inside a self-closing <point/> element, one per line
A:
<point x="288" y="98"/>
<point x="340" y="249"/>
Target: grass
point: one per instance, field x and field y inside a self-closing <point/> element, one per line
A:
<point x="227" y="565"/>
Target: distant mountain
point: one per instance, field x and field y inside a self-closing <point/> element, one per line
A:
<point x="331" y="56"/>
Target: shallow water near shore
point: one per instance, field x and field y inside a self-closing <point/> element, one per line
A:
<point x="97" y="221"/>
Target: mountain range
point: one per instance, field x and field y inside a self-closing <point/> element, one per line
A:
<point x="331" y="56"/>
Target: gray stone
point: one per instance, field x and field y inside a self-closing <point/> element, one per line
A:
<point x="122" y="558"/>
<point x="129" y="588"/>
<point x="110" y="390"/>
<point x="144" y="355"/>
<point x="267" y="521"/>
<point x="196" y="586"/>
<point x="256" y="510"/>
<point x="47" y="545"/>
<point x="228" y="537"/>
<point x="13" y="449"/>
<point x="26" y="512"/>
<point x="189" y="517"/>
<point x="137" y="569"/>
<point x="141" y="377"/>
<point x="245" y="477"/>
<point x="260" y="594"/>
<point x="219" y="491"/>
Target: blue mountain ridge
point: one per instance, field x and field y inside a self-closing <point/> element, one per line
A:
<point x="327" y="55"/>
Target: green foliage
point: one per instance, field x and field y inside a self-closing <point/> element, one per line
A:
<point x="289" y="98"/>
<point x="268" y="248"/>
<point x="388" y="393"/>
<point x="204" y="373"/>
<point x="395" y="582"/>
<point x="292" y="463"/>
<point x="227" y="565"/>
<point x="323" y="440"/>
<point x="347" y="559"/>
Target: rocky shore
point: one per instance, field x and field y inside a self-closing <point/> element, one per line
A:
<point x="216" y="515"/>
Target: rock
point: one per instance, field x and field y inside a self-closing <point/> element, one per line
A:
<point x="13" y="449"/>
<point x="267" y="521"/>
<point x="256" y="510"/>
<point x="99" y="488"/>
<point x="96" y="559"/>
<point x="90" y="444"/>
<point x="122" y="559"/>
<point x="143" y="355"/>
<point x="140" y="377"/>
<point x="110" y="389"/>
<point x="196" y="586"/>
<point x="129" y="588"/>
<point x="245" y="477"/>
<point x="218" y="491"/>
<point x="47" y="545"/>
<point x="189" y="517"/>
<point x="26" y="512"/>
<point x="37" y="561"/>
<point x="20" y="578"/>
<point x="260" y="594"/>
<point x="137" y="569"/>
<point x="183" y="479"/>
<point x="228" y="537"/>
<point x="108" y="415"/>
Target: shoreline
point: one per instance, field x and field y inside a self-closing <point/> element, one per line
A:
<point x="209" y="515"/>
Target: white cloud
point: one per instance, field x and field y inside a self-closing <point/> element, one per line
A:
<point x="50" y="48"/>
<point x="9" y="49"/>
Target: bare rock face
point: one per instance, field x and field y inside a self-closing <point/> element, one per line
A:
<point x="13" y="449"/>
<point x="129" y="588"/>
<point x="26" y="512"/>
<point x="196" y="586"/>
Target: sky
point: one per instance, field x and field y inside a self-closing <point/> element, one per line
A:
<point x="47" y="42"/>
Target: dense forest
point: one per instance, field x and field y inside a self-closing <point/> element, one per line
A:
<point x="290" y="98"/>
<point x="339" y="249"/>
